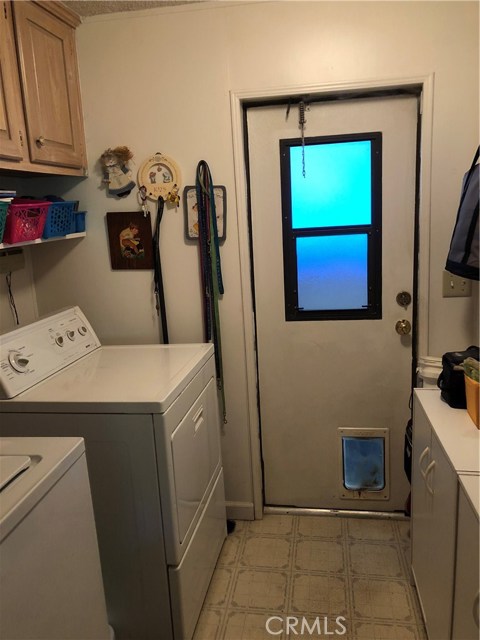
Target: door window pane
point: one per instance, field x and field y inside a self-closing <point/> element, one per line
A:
<point x="331" y="222"/>
<point x="337" y="187"/>
<point x="332" y="272"/>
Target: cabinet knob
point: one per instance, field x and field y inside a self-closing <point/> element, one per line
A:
<point x="41" y="141"/>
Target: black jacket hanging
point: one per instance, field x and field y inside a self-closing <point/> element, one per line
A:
<point x="462" y="259"/>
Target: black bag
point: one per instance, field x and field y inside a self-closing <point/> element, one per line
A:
<point x="407" y="451"/>
<point x="462" y="259"/>
<point x="451" y="381"/>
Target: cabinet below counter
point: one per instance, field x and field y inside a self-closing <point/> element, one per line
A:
<point x="445" y="529"/>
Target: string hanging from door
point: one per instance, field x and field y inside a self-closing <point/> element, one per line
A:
<point x="301" y="123"/>
<point x="302" y="107"/>
<point x="210" y="268"/>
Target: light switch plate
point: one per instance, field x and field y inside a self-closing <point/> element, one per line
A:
<point x="456" y="286"/>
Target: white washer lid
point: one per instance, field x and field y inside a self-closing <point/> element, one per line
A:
<point x="50" y="459"/>
<point x="11" y="467"/>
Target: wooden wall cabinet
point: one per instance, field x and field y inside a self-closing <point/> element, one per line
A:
<point x="41" y="121"/>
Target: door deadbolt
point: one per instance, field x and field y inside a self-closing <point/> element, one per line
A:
<point x="404" y="299"/>
<point x="403" y="327"/>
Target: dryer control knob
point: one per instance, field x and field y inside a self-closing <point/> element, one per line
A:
<point x="18" y="362"/>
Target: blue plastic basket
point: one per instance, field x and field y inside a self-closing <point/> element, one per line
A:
<point x="60" y="219"/>
<point x="80" y="221"/>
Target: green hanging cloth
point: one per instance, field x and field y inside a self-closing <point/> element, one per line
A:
<point x="210" y="268"/>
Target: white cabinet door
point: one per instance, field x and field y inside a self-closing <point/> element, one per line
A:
<point x="465" y="610"/>
<point x="434" y="499"/>
<point x="421" y="499"/>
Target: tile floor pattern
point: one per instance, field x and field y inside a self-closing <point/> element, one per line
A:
<point x="313" y="567"/>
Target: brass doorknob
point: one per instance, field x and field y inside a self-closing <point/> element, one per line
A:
<point x="41" y="141"/>
<point x="403" y="327"/>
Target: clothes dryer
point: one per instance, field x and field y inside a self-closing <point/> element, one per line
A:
<point x="150" y="420"/>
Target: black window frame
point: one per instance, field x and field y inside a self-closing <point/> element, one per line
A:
<point x="373" y="231"/>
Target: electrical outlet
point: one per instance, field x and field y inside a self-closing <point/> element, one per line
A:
<point x="11" y="260"/>
<point x="456" y="286"/>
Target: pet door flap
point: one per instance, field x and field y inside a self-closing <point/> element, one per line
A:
<point x="364" y="464"/>
<point x="364" y="468"/>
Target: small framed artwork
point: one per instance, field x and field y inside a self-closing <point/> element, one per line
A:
<point x="191" y="211"/>
<point x="130" y="240"/>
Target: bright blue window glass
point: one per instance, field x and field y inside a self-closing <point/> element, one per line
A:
<point x="332" y="272"/>
<point x="337" y="187"/>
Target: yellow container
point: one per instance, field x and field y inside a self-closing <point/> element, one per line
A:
<point x="471" y="391"/>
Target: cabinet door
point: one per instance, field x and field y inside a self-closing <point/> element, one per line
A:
<point x="465" y="611"/>
<point x="434" y="499"/>
<point x="11" y="112"/>
<point x="421" y="503"/>
<point x="48" y="68"/>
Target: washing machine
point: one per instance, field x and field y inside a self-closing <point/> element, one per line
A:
<point x="50" y="578"/>
<point x="149" y="417"/>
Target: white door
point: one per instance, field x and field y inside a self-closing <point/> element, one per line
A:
<point x="318" y="376"/>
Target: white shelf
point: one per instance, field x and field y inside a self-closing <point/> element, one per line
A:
<point x="70" y="236"/>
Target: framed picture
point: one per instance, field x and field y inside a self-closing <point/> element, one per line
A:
<point x="191" y="211"/>
<point x="130" y="240"/>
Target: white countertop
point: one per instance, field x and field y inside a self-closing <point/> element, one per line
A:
<point x="471" y="486"/>
<point x="455" y="430"/>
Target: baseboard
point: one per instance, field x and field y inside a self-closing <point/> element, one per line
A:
<point x="240" y="511"/>
<point x="339" y="513"/>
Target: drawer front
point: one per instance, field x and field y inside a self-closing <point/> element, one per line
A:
<point x="189" y="581"/>
<point x="195" y="454"/>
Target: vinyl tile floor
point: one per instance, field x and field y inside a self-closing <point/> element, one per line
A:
<point x="313" y="576"/>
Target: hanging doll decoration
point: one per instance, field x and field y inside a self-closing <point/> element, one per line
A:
<point x="115" y="172"/>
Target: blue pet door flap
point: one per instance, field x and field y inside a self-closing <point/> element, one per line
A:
<point x="364" y="463"/>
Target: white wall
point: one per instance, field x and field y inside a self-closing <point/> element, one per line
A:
<point x="22" y="285"/>
<point x="160" y="81"/>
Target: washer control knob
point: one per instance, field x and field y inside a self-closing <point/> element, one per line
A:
<point x="82" y="330"/>
<point x="71" y="335"/>
<point x="18" y="362"/>
<point x="59" y="341"/>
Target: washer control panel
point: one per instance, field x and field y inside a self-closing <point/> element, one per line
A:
<point x="32" y="353"/>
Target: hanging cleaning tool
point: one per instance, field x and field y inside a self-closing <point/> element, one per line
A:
<point x="157" y="270"/>
<point x="210" y="268"/>
<point x="159" y="179"/>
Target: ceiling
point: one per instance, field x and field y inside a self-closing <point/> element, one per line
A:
<point x="86" y="8"/>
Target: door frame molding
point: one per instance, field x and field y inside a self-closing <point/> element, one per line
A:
<point x="237" y="101"/>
